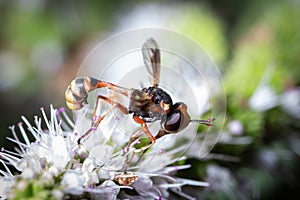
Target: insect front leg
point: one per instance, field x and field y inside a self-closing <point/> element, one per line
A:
<point x="133" y="138"/>
<point x="148" y="133"/>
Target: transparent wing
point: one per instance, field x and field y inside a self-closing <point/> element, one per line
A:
<point x="151" y="57"/>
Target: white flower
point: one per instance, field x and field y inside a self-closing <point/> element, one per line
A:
<point x="73" y="181"/>
<point x="57" y="166"/>
<point x="6" y="183"/>
<point x="264" y="96"/>
<point x="221" y="180"/>
<point x="235" y="127"/>
<point x="290" y="101"/>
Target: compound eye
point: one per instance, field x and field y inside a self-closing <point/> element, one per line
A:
<point x="173" y="122"/>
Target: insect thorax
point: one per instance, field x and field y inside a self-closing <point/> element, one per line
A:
<point x="145" y="103"/>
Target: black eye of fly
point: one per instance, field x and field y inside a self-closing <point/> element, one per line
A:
<point x="173" y="121"/>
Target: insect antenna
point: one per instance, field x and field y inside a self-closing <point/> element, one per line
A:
<point x="207" y="122"/>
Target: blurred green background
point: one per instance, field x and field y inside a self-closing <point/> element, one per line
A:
<point x="255" y="44"/>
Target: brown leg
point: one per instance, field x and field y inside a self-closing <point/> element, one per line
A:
<point x="161" y="133"/>
<point x="95" y="125"/>
<point x="133" y="138"/>
<point x="113" y="87"/>
<point x="112" y="102"/>
<point x="146" y="130"/>
<point x="97" y="122"/>
<point x="84" y="135"/>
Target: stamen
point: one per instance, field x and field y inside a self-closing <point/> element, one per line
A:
<point x="66" y="117"/>
<point x="117" y="118"/>
<point x="95" y="118"/>
<point x="12" y="128"/>
<point x="193" y="182"/>
<point x="19" y="143"/>
<point x="45" y="119"/>
<point x="61" y="109"/>
<point x="4" y="173"/>
<point x="20" y="125"/>
<point x="54" y="120"/>
<point x="162" y="150"/>
<point x="6" y="168"/>
<point x="29" y="127"/>
<point x="38" y="123"/>
<point x="175" y="168"/>
<point x="10" y="159"/>
<point x="9" y="152"/>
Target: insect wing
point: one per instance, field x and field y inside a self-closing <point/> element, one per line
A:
<point x="151" y="57"/>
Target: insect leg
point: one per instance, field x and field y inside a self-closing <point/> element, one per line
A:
<point x="95" y="124"/>
<point x="207" y="122"/>
<point x="122" y="108"/>
<point x="116" y="88"/>
<point x="98" y="121"/>
<point x="133" y="138"/>
<point x="146" y="130"/>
